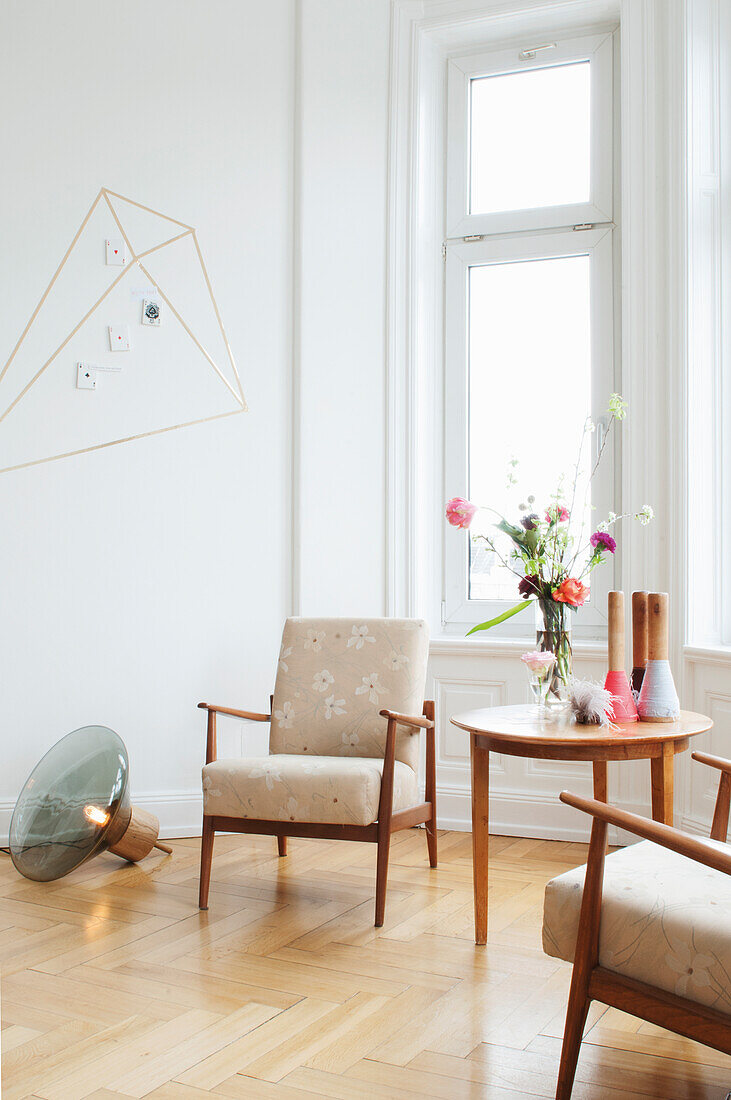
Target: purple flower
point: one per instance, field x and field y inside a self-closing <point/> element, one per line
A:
<point x="527" y="587"/>
<point x="529" y="522"/>
<point x="600" y="540"/>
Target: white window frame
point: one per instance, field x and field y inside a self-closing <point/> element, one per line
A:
<point x="512" y="237"/>
<point x="598" y="51"/>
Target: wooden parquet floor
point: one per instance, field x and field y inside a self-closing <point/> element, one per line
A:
<point x="114" y="985"/>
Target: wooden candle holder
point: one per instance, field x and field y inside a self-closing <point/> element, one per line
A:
<point x="616" y="682"/>
<point x="658" y="700"/>
<point x="639" y="639"/>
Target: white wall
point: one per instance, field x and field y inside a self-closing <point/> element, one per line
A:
<point x="138" y="580"/>
<point x="341" y="322"/>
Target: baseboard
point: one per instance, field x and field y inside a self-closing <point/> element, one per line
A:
<point x="523" y="814"/>
<point x="179" y="812"/>
<point x="512" y="813"/>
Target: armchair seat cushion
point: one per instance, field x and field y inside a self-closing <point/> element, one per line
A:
<point x="337" y="790"/>
<point x="664" y="921"/>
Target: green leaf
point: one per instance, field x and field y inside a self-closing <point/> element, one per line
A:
<point x="500" y="618"/>
<point x="517" y="534"/>
<point x="531" y="539"/>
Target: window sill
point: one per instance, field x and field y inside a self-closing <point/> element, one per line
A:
<point x="717" y="654"/>
<point x="449" y="645"/>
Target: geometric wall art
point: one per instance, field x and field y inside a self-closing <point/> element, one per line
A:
<point x="130" y="274"/>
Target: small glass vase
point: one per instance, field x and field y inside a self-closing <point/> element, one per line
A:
<point x="540" y="681"/>
<point x="553" y="634"/>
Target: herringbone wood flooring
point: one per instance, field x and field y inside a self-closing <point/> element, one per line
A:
<point x="114" y="985"/>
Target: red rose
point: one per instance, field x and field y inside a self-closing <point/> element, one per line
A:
<point x="572" y="592"/>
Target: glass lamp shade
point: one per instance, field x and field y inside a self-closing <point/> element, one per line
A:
<point x="74" y="805"/>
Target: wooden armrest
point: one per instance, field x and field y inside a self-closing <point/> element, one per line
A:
<point x="693" y="847"/>
<point x="719" y="826"/>
<point x="713" y="761"/>
<point x="407" y="720"/>
<point x="252" y="716"/>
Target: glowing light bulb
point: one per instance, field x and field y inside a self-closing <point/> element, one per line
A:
<point x="95" y="815"/>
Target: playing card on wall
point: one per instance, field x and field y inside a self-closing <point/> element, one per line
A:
<point x="119" y="338"/>
<point x="150" y="311"/>
<point x="116" y="252"/>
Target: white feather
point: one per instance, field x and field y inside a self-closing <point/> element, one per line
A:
<point x="591" y="703"/>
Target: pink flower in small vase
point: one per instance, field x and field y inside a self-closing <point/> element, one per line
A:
<point x="460" y="512"/>
<point x="538" y="661"/>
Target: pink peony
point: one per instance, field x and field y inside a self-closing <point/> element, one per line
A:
<point x="557" y="514"/>
<point x="460" y="512"/>
<point x="538" y="661"/>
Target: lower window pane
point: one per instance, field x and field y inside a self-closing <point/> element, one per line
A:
<point x="529" y="397"/>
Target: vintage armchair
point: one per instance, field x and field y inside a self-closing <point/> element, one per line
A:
<point x="647" y="928"/>
<point x="347" y="709"/>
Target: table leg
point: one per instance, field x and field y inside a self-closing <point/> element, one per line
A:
<point x="600" y="780"/>
<point x="480" y="759"/>
<point x="661" y="772"/>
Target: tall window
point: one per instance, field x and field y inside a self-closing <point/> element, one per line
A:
<point x="529" y="299"/>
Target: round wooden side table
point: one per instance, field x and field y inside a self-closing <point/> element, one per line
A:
<point x="521" y="731"/>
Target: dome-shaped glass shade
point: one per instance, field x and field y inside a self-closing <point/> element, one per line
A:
<point x="74" y="804"/>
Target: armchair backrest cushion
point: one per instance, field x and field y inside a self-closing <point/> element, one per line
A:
<point x="335" y="675"/>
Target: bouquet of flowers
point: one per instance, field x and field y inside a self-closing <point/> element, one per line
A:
<point x="549" y="554"/>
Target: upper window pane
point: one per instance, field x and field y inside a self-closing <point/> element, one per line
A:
<point x="530" y="139"/>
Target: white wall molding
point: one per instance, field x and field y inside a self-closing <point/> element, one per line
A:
<point x="522" y="814"/>
<point x="707" y="661"/>
<point x="700" y="655"/>
<point x="179" y="812"/>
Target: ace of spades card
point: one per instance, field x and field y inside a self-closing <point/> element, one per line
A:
<point x="151" y="311"/>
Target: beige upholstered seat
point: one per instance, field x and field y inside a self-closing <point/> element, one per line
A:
<point x="647" y="927"/>
<point x="665" y="921"/>
<point x="347" y="710"/>
<point x="342" y="790"/>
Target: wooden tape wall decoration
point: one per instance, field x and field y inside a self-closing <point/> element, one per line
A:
<point x="135" y="262"/>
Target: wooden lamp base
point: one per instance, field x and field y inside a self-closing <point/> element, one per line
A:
<point x="140" y="837"/>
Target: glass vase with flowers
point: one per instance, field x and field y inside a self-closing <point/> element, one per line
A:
<point x="548" y="553"/>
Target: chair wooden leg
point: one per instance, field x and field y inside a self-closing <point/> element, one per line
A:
<point x="206" y="859"/>
<point x="431" y="786"/>
<point x="282" y="845"/>
<point x="431" y="841"/>
<point x="384" y="843"/>
<point x="719" y="828"/>
<point x="586" y="956"/>
<point x="576" y="1013"/>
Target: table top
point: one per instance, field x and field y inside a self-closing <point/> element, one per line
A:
<point x="71" y="805"/>
<point x="520" y="728"/>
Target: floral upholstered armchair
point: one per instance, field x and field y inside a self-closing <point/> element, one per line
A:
<point x="347" y="709"/>
<point x="647" y="928"/>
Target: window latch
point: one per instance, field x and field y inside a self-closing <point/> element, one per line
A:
<point x="526" y="55"/>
